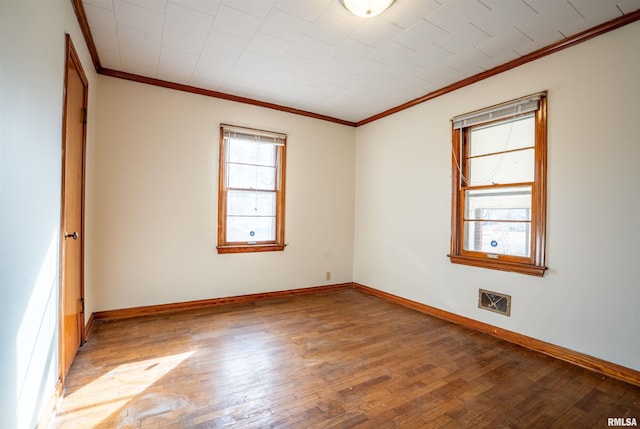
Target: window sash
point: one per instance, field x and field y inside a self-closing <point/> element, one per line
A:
<point x="500" y="227"/>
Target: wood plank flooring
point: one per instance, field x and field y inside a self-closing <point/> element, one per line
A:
<point x="337" y="359"/>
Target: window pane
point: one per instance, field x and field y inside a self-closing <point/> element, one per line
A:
<point x="251" y="152"/>
<point x="510" y="167"/>
<point x="251" y="177"/>
<point x="507" y="238"/>
<point x="494" y="208"/>
<point x="502" y="136"/>
<point x="251" y="228"/>
<point x="251" y="203"/>
<point x="503" y="203"/>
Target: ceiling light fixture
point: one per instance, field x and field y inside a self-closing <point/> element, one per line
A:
<point x="366" y="8"/>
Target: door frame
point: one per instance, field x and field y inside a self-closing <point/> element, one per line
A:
<point x="71" y="57"/>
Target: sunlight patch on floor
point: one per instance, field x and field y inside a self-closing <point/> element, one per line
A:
<point x="102" y="399"/>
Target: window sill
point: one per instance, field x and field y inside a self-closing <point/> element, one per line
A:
<point x="532" y="270"/>
<point x="251" y="248"/>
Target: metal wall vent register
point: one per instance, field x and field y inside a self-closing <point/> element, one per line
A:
<point x="496" y="302"/>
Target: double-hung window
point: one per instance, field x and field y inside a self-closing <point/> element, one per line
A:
<point x="499" y="187"/>
<point x="251" y="188"/>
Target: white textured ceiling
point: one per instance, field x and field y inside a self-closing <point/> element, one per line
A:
<point x="315" y="56"/>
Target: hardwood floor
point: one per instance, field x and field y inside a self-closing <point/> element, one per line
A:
<point x="336" y="359"/>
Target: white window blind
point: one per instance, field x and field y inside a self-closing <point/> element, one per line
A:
<point x="501" y="111"/>
<point x="257" y="136"/>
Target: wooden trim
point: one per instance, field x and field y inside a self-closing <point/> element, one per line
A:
<point x="456" y="183"/>
<point x="542" y="52"/>
<point x="89" y="326"/>
<point x="540" y="187"/>
<point x="221" y="95"/>
<point x="85" y="105"/>
<point x="576" y="358"/>
<point x="580" y="359"/>
<point x="281" y="193"/>
<point x="222" y="194"/>
<point x="72" y="56"/>
<point x="500" y="152"/>
<point x="203" y="303"/>
<point x="498" y="264"/>
<point x="250" y="248"/>
<point x="81" y="16"/>
<point x="50" y="409"/>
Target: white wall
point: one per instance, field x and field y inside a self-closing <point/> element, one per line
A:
<point x="32" y="38"/>
<point x="588" y="301"/>
<point x="155" y="211"/>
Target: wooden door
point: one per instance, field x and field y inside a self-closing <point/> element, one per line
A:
<point x="72" y="225"/>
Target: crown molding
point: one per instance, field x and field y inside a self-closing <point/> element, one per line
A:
<point x="543" y="52"/>
<point x="535" y="55"/>
<point x="221" y="95"/>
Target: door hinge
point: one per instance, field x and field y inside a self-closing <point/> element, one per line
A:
<point x="82" y="305"/>
<point x="84" y="116"/>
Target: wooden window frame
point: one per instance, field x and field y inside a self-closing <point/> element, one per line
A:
<point x="259" y="246"/>
<point x="535" y="263"/>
